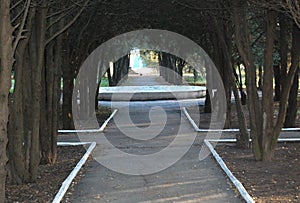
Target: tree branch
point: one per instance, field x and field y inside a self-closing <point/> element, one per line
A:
<point x="16" y="4"/>
<point x="60" y="11"/>
<point x="19" y="35"/>
<point x="64" y="14"/>
<point x="67" y="25"/>
<point x="18" y="15"/>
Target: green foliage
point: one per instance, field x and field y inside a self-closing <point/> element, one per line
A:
<point x="104" y="82"/>
<point x="12" y="86"/>
<point x="190" y="80"/>
<point x="149" y="57"/>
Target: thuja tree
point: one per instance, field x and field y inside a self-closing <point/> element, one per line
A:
<point x="264" y="130"/>
<point x="32" y="128"/>
<point x="6" y="63"/>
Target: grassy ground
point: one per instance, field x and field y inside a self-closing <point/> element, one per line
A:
<point x="104" y="82"/>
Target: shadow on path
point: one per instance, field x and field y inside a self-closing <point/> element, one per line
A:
<point x="188" y="180"/>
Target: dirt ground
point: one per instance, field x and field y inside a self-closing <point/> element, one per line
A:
<point x="275" y="181"/>
<point x="51" y="176"/>
<point x="49" y="180"/>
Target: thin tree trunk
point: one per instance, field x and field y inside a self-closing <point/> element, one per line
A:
<point x="291" y="114"/>
<point x="6" y="63"/>
<point x="17" y="155"/>
<point x="242" y="37"/>
<point x="209" y="86"/>
<point x="267" y="149"/>
<point x="277" y="79"/>
<point x="284" y="49"/>
<point x="19" y="132"/>
<point x="40" y="28"/>
<point x="243" y="136"/>
<point x="68" y="85"/>
<point x="288" y="81"/>
<point x="56" y="94"/>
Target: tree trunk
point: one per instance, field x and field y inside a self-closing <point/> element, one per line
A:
<point x="68" y="75"/>
<point x="50" y="99"/>
<point x="242" y="38"/>
<point x="209" y="94"/>
<point x="68" y="85"/>
<point x="291" y="114"/>
<point x="195" y="73"/>
<point x="17" y="152"/>
<point x="6" y="63"/>
<point x="288" y="81"/>
<point x="40" y="29"/>
<point x="243" y="136"/>
<point x="20" y="109"/>
<point x="284" y="48"/>
<point x="267" y="148"/>
<point x="276" y="69"/>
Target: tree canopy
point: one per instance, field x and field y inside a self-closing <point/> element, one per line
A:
<point x="45" y="42"/>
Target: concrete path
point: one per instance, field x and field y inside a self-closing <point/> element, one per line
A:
<point x="188" y="180"/>
<point x="144" y="81"/>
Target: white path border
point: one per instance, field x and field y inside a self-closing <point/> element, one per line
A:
<point x="101" y="129"/>
<point x="221" y="163"/>
<point x="197" y="129"/>
<point x="233" y="179"/>
<point x="66" y="184"/>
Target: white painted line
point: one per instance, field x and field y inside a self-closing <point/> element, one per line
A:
<point x="101" y="129"/>
<point x="107" y="120"/>
<point x="72" y="143"/>
<point x="190" y="119"/>
<point x="238" y="130"/>
<point x="229" y="140"/>
<point x="223" y="130"/>
<point x="218" y="130"/>
<point x="290" y="129"/>
<point x="79" y="131"/>
<point x="223" y="140"/>
<point x="66" y="184"/>
<point x="288" y="139"/>
<point x="233" y="179"/>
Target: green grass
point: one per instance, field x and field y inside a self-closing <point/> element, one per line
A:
<point x="12" y="87"/>
<point x="104" y="82"/>
<point x="190" y="80"/>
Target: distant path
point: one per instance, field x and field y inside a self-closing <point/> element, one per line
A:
<point x="188" y="180"/>
<point x="137" y="80"/>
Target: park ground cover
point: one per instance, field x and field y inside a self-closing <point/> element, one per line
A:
<point x="274" y="181"/>
<point x="51" y="176"/>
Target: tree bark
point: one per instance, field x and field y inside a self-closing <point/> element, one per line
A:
<point x="40" y="29"/>
<point x="288" y="81"/>
<point x="16" y="150"/>
<point x="264" y="132"/>
<point x="243" y="136"/>
<point x="284" y="49"/>
<point x="68" y="85"/>
<point x="268" y="148"/>
<point x="276" y="69"/>
<point x="19" y="132"/>
<point x="242" y="38"/>
<point x="6" y="63"/>
<point x="291" y="114"/>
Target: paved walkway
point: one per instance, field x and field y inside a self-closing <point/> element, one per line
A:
<point x="144" y="81"/>
<point x="188" y="180"/>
